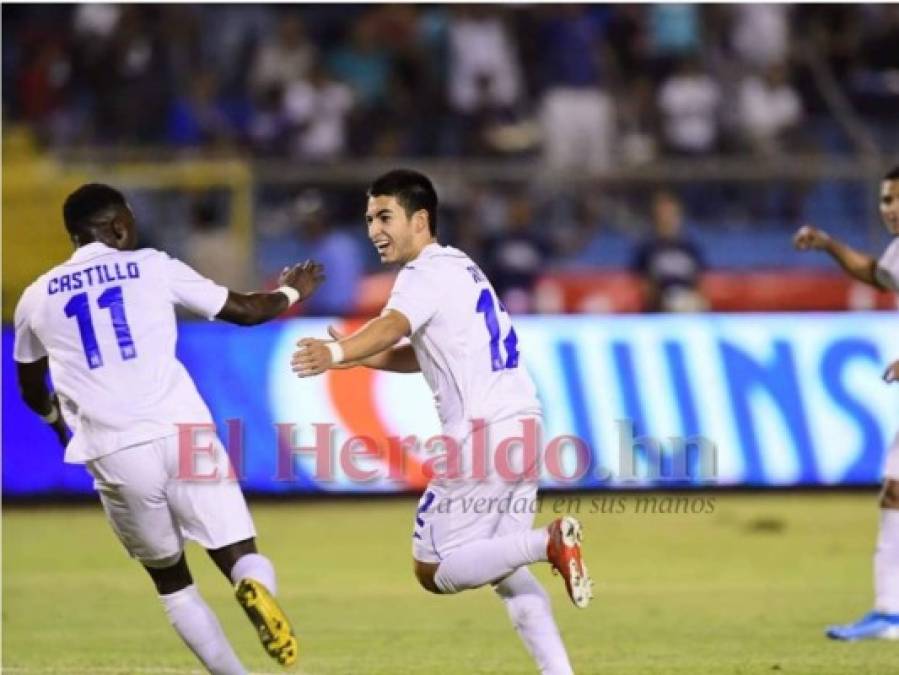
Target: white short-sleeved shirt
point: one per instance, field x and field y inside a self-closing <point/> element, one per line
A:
<point x="106" y="320"/>
<point x="463" y="339"/>
<point x="887" y="270"/>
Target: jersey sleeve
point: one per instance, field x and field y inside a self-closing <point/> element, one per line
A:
<point x="28" y="347"/>
<point x="887" y="270"/>
<point x="193" y="291"/>
<point x="415" y="295"/>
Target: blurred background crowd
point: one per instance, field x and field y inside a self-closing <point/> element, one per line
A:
<point x="542" y="98"/>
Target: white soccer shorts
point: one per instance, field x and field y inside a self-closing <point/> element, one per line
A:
<point x="452" y="513"/>
<point x="152" y="507"/>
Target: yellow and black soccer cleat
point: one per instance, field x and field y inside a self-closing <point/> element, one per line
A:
<point x="270" y="621"/>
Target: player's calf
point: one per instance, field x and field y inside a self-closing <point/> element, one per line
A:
<point x="255" y="587"/>
<point x="191" y="617"/>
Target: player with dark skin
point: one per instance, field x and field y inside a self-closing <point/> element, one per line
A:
<point x="862" y="267"/>
<point x="115" y="227"/>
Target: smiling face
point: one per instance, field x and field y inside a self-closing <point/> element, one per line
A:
<point x="889" y="205"/>
<point x="397" y="237"/>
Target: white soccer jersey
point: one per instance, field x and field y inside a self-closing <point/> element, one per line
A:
<point x="463" y="339"/>
<point x="887" y="270"/>
<point x="106" y="319"/>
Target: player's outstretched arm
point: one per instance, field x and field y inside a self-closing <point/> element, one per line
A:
<point x="856" y="264"/>
<point x="33" y="385"/>
<point x="316" y="356"/>
<point x="250" y="309"/>
<point x="400" y="359"/>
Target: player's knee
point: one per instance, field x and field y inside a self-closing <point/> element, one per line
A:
<point x="170" y="574"/>
<point x="425" y="573"/>
<point x="889" y="497"/>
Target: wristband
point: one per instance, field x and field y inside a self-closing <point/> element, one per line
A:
<point x="293" y="295"/>
<point x="53" y="416"/>
<point x="336" y="351"/>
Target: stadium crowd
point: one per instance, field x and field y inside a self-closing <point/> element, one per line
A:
<point x="576" y="87"/>
<point x="322" y="82"/>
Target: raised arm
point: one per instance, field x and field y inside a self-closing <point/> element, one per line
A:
<point x="250" y="309"/>
<point x="856" y="264"/>
<point x="37" y="396"/>
<point x="316" y="356"/>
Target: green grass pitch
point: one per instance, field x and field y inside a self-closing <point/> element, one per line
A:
<point x="745" y="589"/>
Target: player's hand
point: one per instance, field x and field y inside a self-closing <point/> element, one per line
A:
<point x="892" y="373"/>
<point x="808" y="238"/>
<point x="312" y="358"/>
<point x="305" y="277"/>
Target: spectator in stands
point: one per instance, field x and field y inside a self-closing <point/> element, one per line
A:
<point x="132" y="86"/>
<point x="673" y="34"/>
<point x="689" y="102"/>
<point x="269" y="126"/>
<point x="231" y="39"/>
<point x="761" y="33"/>
<point x="875" y="80"/>
<point x="670" y="265"/>
<point x="769" y="110"/>
<point x="211" y="247"/>
<point x="576" y="116"/>
<point x="332" y="246"/>
<point x="288" y="58"/>
<point x="44" y="86"/>
<point x="318" y="109"/>
<point x="203" y="117"/>
<point x="484" y="85"/>
<point x="363" y="63"/>
<point x="516" y="257"/>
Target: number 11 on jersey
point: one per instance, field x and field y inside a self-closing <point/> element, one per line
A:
<point x="79" y="307"/>
<point x="487" y="306"/>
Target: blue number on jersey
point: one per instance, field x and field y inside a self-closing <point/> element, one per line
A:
<point x="112" y="299"/>
<point x="487" y="306"/>
<point x="78" y="307"/>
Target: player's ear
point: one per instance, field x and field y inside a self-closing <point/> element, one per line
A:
<point x="420" y="220"/>
<point x="121" y="232"/>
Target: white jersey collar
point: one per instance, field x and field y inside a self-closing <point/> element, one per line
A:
<point x="429" y="250"/>
<point x="88" y="251"/>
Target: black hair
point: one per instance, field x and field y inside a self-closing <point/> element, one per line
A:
<point x="412" y="190"/>
<point x="893" y="174"/>
<point x="82" y="208"/>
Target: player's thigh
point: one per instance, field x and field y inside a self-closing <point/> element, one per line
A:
<point x="132" y="488"/>
<point x="211" y="511"/>
<point x="452" y="513"/>
<point x="450" y="516"/>
<point x="522" y="509"/>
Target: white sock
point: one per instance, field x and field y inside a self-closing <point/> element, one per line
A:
<point x="531" y="614"/>
<point x="258" y="567"/>
<point x="201" y="631"/>
<point x="886" y="563"/>
<point x="489" y="560"/>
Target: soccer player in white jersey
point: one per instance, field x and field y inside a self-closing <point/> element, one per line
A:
<point x="102" y="324"/>
<point x="463" y="342"/>
<point x="883" y="273"/>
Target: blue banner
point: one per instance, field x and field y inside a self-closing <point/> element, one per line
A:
<point x="761" y="400"/>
